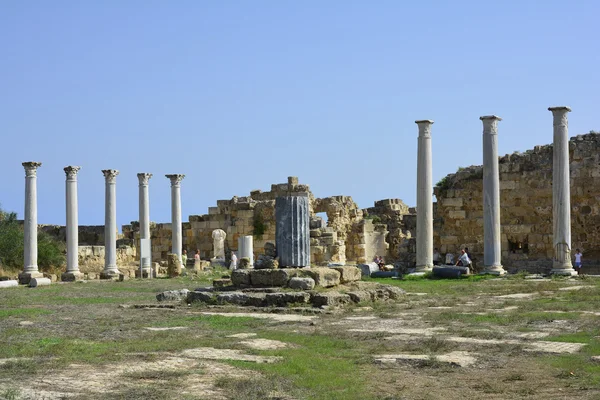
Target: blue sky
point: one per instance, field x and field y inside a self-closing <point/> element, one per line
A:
<point x="241" y="94"/>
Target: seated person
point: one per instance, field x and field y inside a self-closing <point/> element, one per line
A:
<point x="463" y="260"/>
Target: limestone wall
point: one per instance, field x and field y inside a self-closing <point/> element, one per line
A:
<point x="91" y="258"/>
<point x="526" y="206"/>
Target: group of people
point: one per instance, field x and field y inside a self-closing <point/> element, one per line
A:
<point x="184" y="257"/>
<point x="381" y="264"/>
<point x="464" y="259"/>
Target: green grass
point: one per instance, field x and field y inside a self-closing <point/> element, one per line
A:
<point x="23" y="312"/>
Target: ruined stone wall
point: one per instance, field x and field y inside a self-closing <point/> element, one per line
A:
<point x="401" y="226"/>
<point x="89" y="235"/>
<point x="526" y="207"/>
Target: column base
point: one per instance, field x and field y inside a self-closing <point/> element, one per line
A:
<point x="493" y="270"/>
<point x="71" y="276"/>
<point x="25" y="277"/>
<point x="114" y="274"/>
<point x="146" y="273"/>
<point x="563" y="271"/>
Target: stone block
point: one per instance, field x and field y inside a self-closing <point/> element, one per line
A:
<point x="323" y="276"/>
<point x="348" y="274"/>
<point x="270" y="277"/>
<point x="368" y="269"/>
<point x="204" y="297"/>
<point x="360" y="296"/>
<point x="238" y="298"/>
<point x="452" y="202"/>
<point x="256" y="299"/>
<point x="8" y="283"/>
<point x="457" y="214"/>
<point x="240" y="277"/>
<point x="302" y="283"/>
<point x="329" y="299"/>
<point x="283" y="299"/>
<point x="223" y="282"/>
<point x="173" y="295"/>
<point x="36" y="282"/>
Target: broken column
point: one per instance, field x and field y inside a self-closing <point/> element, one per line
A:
<point x="424" y="199"/>
<point x="72" y="228"/>
<point x="176" y="230"/>
<point x="292" y="230"/>
<point x="561" y="194"/>
<point x="30" y="225"/>
<point x="246" y="248"/>
<point x="144" y="205"/>
<point x="110" y="225"/>
<point x="492" y="248"/>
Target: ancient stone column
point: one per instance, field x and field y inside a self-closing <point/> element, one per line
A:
<point x="424" y="199"/>
<point x="491" y="198"/>
<point x="144" y="203"/>
<point x="110" y="225"/>
<point x="30" y="227"/>
<point x="561" y="194"/>
<point x="72" y="272"/>
<point x="177" y="234"/>
<point x="246" y="248"/>
<point x="292" y="230"/>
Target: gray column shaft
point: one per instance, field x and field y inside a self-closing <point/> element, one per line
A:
<point x="144" y="206"/>
<point x="110" y="223"/>
<point x="246" y="248"/>
<point x="177" y="234"/>
<point x="424" y="199"/>
<point x="561" y="193"/>
<point x="492" y="245"/>
<point x="292" y="231"/>
<point x="30" y="221"/>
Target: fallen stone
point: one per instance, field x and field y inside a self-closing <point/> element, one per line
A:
<point x="301" y="283"/>
<point x="283" y="299"/>
<point x="209" y="353"/>
<point x="360" y="296"/>
<point x="238" y="298"/>
<point x="271" y="277"/>
<point x="171" y="328"/>
<point x="264" y="344"/>
<point x="242" y="335"/>
<point x="449" y="271"/>
<point x="554" y="347"/>
<point x="173" y="295"/>
<point x="222" y="282"/>
<point x="573" y="288"/>
<point x="385" y="274"/>
<point x="7" y="284"/>
<point x="456" y="358"/>
<point x="204" y="297"/>
<point x="368" y="269"/>
<point x="329" y="299"/>
<point x="256" y="299"/>
<point x="323" y="276"/>
<point x="394" y="292"/>
<point x="240" y="277"/>
<point x="273" y="317"/>
<point x="516" y="296"/>
<point x="35" y="282"/>
<point x="348" y="274"/>
<point x="595" y="359"/>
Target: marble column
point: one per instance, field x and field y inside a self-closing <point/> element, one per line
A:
<point x="492" y="249"/>
<point x="144" y="204"/>
<point x="292" y="237"/>
<point x="110" y="225"/>
<point x="246" y="248"/>
<point x="424" y="199"/>
<point x="72" y="273"/>
<point x="561" y="194"/>
<point x="177" y="236"/>
<point x="30" y="227"/>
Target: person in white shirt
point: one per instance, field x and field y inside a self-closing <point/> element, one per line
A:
<point x="463" y="260"/>
<point x="578" y="256"/>
<point x="234" y="261"/>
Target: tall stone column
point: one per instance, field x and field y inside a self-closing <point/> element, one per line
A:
<point x="246" y="248"/>
<point x="177" y="238"/>
<point x="492" y="248"/>
<point x="561" y="194"/>
<point x="72" y="272"/>
<point x="424" y="199"/>
<point x="144" y="203"/>
<point x="110" y="225"/>
<point x="30" y="227"/>
<point x="292" y="230"/>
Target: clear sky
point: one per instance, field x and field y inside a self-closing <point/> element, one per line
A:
<point x="241" y="94"/>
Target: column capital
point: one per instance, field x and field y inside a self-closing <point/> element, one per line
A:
<point x="424" y="127"/>
<point x="110" y="175"/>
<point x="560" y="109"/>
<point x="490" y="124"/>
<point x="490" y="118"/>
<point x="175" y="178"/>
<point x="144" y="177"/>
<point x="31" y="167"/>
<point x="71" y="171"/>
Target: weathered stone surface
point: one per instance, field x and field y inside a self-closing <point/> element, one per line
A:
<point x="292" y="230"/>
<point x="394" y="292"/>
<point x="35" y="282"/>
<point x="302" y="283"/>
<point x="238" y="298"/>
<point x="173" y="295"/>
<point x="324" y="277"/>
<point x="360" y="296"/>
<point x="348" y="274"/>
<point x="329" y="299"/>
<point x="368" y="269"/>
<point x="256" y="299"/>
<point x="204" y="297"/>
<point x="283" y="299"/>
<point x="7" y="284"/>
<point x="271" y="277"/>
<point x="266" y="262"/>
<point x="240" y="277"/>
<point x="449" y="271"/>
<point x="223" y="282"/>
<point x="244" y="263"/>
<point x="173" y="265"/>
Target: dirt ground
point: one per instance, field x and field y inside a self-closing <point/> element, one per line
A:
<point x="469" y="339"/>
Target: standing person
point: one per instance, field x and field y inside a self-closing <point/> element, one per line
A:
<point x="184" y="259"/>
<point x="578" y="257"/>
<point x="197" y="260"/>
<point x="436" y="257"/>
<point x="234" y="261"/>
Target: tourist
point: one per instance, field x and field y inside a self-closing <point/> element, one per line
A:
<point x="436" y="257"/>
<point x="197" y="255"/>
<point x="380" y="263"/>
<point x="234" y="261"/>
<point x="578" y="256"/>
<point x="449" y="258"/>
<point x="464" y="259"/>
<point x="184" y="259"/>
